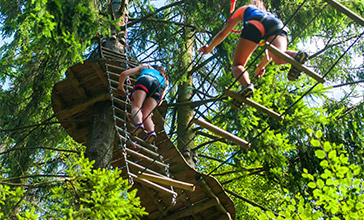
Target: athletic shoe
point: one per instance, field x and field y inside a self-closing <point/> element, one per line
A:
<point x="150" y="137"/>
<point x="137" y="129"/>
<point x="294" y="73"/>
<point x="247" y="91"/>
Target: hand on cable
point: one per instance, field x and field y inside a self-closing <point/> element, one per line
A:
<point x="122" y="90"/>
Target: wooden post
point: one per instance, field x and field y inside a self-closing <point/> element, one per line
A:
<point x="294" y="62"/>
<point x="340" y="7"/>
<point x="167" y="181"/>
<point x="221" y="132"/>
<point x="256" y="105"/>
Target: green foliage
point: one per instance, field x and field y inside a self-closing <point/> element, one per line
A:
<point x="84" y="194"/>
<point x="94" y="194"/>
<point x="336" y="193"/>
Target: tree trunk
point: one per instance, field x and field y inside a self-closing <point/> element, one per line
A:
<point x="102" y="132"/>
<point x="185" y="91"/>
<point x="101" y="136"/>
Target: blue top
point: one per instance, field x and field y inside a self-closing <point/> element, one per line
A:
<point x="253" y="11"/>
<point x="154" y="73"/>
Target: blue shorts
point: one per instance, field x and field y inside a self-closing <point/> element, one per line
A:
<point x="150" y="85"/>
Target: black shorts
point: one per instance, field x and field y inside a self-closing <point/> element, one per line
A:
<point x="150" y="85"/>
<point x="271" y="25"/>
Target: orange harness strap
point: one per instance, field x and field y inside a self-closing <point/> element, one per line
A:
<point x="258" y="25"/>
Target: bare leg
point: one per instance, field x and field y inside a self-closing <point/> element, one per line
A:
<point x="243" y="51"/>
<point x="136" y="106"/>
<point x="149" y="106"/>
<point x="281" y="43"/>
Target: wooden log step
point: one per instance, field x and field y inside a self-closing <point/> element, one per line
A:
<point x="294" y="62"/>
<point x="256" y="105"/>
<point x="167" y="181"/>
<point x="195" y="208"/>
<point x="153" y="185"/>
<point x="340" y="7"/>
<point x="221" y="132"/>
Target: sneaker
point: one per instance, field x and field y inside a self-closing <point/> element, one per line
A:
<point x="137" y="129"/>
<point x="247" y="91"/>
<point x="150" y="137"/>
<point x="294" y="73"/>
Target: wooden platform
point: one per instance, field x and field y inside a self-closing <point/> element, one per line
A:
<point x="72" y="100"/>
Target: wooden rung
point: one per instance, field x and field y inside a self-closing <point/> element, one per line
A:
<point x="113" y="54"/>
<point x="137" y="154"/>
<point x="143" y="168"/>
<point x="153" y="185"/>
<point x="112" y="51"/>
<point x="113" y="74"/>
<point x="195" y="208"/>
<point x="340" y="7"/>
<point x="116" y="67"/>
<point x="121" y="101"/>
<point x="114" y="81"/>
<point x="221" y="132"/>
<point x="143" y="148"/>
<point x="256" y="105"/>
<point x="294" y="62"/>
<point x="167" y="181"/>
<point x="139" y="140"/>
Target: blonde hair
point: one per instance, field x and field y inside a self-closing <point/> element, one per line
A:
<point x="259" y="4"/>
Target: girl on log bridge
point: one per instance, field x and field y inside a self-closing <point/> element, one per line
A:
<point x="148" y="92"/>
<point x="258" y="25"/>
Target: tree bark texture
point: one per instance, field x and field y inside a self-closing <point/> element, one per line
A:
<point x="101" y="136"/>
<point x="184" y="114"/>
<point x="102" y="133"/>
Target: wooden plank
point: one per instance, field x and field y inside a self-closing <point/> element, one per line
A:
<point x="221" y="132"/>
<point x="340" y="7"/>
<point x="82" y="106"/>
<point x="153" y="185"/>
<point x="100" y="74"/>
<point x="220" y="207"/>
<point x="152" y="194"/>
<point x="168" y="181"/>
<point x="76" y="84"/>
<point x="294" y="62"/>
<point x="256" y="105"/>
<point x="195" y="208"/>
